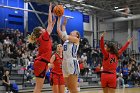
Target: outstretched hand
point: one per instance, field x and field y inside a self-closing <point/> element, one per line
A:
<point x="103" y="34"/>
<point x="50" y="7"/>
<point x="130" y="39"/>
<point x="54" y="21"/>
<point x="65" y="21"/>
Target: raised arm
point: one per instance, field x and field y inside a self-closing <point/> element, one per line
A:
<point x="70" y="38"/>
<point x="105" y="53"/>
<point x="59" y="28"/>
<point x="50" y="23"/>
<point x="125" y="46"/>
<point x="53" y="23"/>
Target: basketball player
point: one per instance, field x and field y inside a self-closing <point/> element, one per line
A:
<point x="57" y="79"/>
<point x="41" y="37"/>
<point x="110" y="61"/>
<point x="70" y="65"/>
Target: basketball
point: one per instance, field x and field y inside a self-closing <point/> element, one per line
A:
<point x="58" y="10"/>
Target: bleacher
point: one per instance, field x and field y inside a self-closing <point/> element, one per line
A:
<point x="18" y="75"/>
<point x="19" y="78"/>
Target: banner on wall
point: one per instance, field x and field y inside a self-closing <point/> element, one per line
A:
<point x="86" y="18"/>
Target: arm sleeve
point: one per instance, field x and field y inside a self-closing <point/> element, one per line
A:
<point x="105" y="53"/>
<point x="124" y="48"/>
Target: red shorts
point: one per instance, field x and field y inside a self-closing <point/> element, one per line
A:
<point x="108" y="80"/>
<point x="56" y="79"/>
<point x="40" y="68"/>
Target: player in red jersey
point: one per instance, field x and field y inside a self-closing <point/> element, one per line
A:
<point x="41" y="37"/>
<point x="57" y="79"/>
<point x="110" y="61"/>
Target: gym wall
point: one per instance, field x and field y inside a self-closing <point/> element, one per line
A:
<point x="10" y="18"/>
<point x="14" y="19"/>
<point x="121" y="32"/>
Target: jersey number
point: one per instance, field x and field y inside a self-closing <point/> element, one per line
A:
<point x="112" y="60"/>
<point x="65" y="47"/>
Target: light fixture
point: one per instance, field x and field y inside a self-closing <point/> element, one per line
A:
<point x="67" y="5"/>
<point x="78" y="0"/>
<point x="116" y="7"/>
<point x="16" y="12"/>
<point x="6" y="19"/>
<point x="78" y="7"/>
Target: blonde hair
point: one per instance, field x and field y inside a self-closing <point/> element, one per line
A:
<point x="31" y="38"/>
<point x="34" y="35"/>
<point x="78" y="34"/>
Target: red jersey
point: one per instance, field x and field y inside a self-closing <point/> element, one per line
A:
<point x="44" y="47"/>
<point x="110" y="61"/>
<point x="57" y="64"/>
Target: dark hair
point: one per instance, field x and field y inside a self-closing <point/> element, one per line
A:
<point x="113" y="49"/>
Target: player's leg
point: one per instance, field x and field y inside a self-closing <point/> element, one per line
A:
<point x="112" y="83"/>
<point x="104" y="80"/>
<point x="55" y="83"/>
<point x="55" y="89"/>
<point x="106" y="90"/>
<point x="40" y="72"/>
<point x="39" y="85"/>
<point x="61" y="84"/>
<point x="72" y="83"/>
<point x="111" y="90"/>
<point x="61" y="88"/>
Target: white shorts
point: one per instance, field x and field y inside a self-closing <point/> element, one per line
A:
<point x="70" y="67"/>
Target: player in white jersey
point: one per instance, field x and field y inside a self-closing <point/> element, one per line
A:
<point x="70" y="65"/>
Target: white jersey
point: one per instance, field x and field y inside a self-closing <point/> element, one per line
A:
<point x="70" y="63"/>
<point x="70" y="50"/>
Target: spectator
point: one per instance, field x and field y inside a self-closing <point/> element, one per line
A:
<point x="81" y="65"/>
<point x="134" y="77"/>
<point x="98" y="68"/>
<point x="119" y="69"/>
<point x="138" y="77"/>
<point x="125" y="74"/>
<point x="7" y="41"/>
<point x="6" y="81"/>
<point x="29" y="76"/>
<point x="1" y="69"/>
<point x="1" y="50"/>
<point x="19" y="43"/>
<point x="84" y="61"/>
<point x="84" y="57"/>
<point x="120" y="80"/>
<point x="129" y="67"/>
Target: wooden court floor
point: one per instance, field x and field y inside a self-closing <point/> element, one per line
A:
<point x="94" y="90"/>
<point x="123" y="90"/>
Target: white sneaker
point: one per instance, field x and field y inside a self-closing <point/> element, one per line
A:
<point x="67" y="91"/>
<point x="6" y="92"/>
<point x="11" y="92"/>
